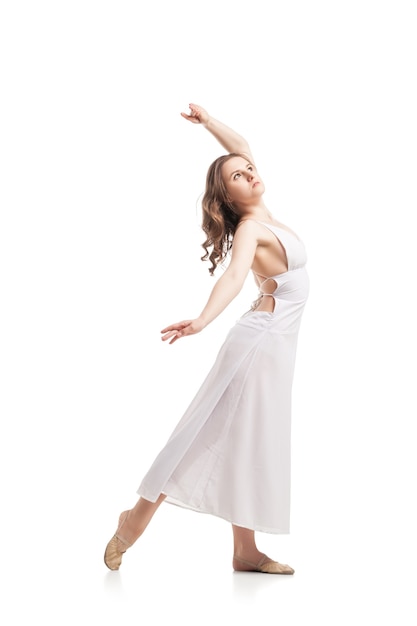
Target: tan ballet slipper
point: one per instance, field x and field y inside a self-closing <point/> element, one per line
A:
<point x="264" y="566"/>
<point x="117" y="546"/>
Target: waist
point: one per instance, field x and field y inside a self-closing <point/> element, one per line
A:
<point x="292" y="285"/>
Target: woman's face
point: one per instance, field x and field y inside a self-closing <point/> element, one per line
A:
<point x="243" y="184"/>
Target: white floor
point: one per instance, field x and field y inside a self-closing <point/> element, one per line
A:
<point x="348" y="571"/>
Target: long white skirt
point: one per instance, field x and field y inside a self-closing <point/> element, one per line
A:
<point x="230" y="454"/>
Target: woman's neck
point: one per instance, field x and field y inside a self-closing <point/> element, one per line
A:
<point x="260" y="213"/>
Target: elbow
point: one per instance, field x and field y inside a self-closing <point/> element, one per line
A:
<point x="244" y="148"/>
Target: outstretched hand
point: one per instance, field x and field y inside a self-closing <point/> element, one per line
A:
<point x="197" y="114"/>
<point x="181" y="329"/>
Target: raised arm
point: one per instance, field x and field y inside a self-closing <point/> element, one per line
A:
<point x="228" y="138"/>
<point x="227" y="286"/>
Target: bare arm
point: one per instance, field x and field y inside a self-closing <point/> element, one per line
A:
<point x="226" y="288"/>
<point x="228" y="138"/>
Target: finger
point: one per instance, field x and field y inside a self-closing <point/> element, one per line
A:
<point x="176" y="330"/>
<point x="169" y="335"/>
<point x="191" y="118"/>
<point x="176" y="336"/>
<point x="176" y="326"/>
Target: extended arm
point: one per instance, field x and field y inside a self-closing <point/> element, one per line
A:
<point x="226" y="288"/>
<point x="228" y="138"/>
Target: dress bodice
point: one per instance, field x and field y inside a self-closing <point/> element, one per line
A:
<point x="293" y="246"/>
<point x="292" y="284"/>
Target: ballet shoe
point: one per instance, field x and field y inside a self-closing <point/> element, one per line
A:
<point x="264" y="566"/>
<point x="117" y="546"/>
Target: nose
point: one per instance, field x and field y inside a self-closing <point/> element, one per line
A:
<point x="250" y="176"/>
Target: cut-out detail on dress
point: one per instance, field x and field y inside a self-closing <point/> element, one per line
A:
<point x="262" y="293"/>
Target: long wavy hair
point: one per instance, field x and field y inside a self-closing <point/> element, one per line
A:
<point x="220" y="219"/>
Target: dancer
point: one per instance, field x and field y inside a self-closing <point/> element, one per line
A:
<point x="229" y="455"/>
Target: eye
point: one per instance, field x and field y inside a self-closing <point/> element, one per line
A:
<point x="236" y="176"/>
<point x="250" y="168"/>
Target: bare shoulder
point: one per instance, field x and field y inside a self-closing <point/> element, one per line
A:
<point x="252" y="228"/>
<point x="248" y="224"/>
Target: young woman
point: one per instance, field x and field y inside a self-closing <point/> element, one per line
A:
<point x="230" y="453"/>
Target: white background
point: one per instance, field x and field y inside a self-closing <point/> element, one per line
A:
<point x="100" y="243"/>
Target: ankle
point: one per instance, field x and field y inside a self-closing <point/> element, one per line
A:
<point x="253" y="555"/>
<point x="129" y="530"/>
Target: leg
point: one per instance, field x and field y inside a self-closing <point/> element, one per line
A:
<point x="132" y="524"/>
<point x="247" y="557"/>
<point x="138" y="518"/>
<point x="244" y="546"/>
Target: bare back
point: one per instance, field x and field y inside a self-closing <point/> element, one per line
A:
<point x="270" y="260"/>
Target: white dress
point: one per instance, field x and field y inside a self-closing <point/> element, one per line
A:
<point x="230" y="454"/>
